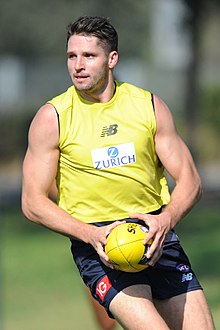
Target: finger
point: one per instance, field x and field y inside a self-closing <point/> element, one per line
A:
<point x="118" y="223"/>
<point x="139" y="216"/>
<point x="155" y="257"/>
<point x="149" y="238"/>
<point x="152" y="248"/>
<point x="114" y="225"/>
<point x="107" y="263"/>
<point x="146" y="218"/>
<point x="101" y="252"/>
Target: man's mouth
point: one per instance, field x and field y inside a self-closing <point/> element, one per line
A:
<point x="80" y="77"/>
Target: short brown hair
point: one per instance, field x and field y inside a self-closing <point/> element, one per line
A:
<point x="96" y="26"/>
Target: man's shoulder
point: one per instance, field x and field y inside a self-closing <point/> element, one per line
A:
<point x="133" y="90"/>
<point x="64" y="100"/>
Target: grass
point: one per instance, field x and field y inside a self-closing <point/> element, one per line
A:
<point x="42" y="289"/>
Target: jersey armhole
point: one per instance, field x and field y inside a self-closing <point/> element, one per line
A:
<point x="58" y="120"/>
<point x="58" y="117"/>
<point x="152" y="100"/>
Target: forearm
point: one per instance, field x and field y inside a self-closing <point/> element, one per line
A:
<point x="183" y="197"/>
<point x="46" y="213"/>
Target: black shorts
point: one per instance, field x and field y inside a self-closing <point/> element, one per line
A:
<point x="170" y="276"/>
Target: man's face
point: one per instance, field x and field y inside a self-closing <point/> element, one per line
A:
<point x="88" y="64"/>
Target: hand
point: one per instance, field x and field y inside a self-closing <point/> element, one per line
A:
<point x="98" y="239"/>
<point x="159" y="226"/>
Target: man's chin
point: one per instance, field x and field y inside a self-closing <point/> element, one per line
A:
<point x="82" y="87"/>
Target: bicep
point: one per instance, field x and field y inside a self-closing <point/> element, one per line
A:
<point x="170" y="148"/>
<point x="39" y="173"/>
<point x="41" y="159"/>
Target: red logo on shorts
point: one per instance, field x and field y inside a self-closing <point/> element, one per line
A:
<point x="103" y="286"/>
<point x="183" y="268"/>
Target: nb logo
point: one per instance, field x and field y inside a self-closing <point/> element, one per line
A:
<point x="111" y="130"/>
<point x="187" y="277"/>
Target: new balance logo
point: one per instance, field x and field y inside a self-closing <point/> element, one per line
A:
<point x="187" y="277"/>
<point x="111" y="130"/>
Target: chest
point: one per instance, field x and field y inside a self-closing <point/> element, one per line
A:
<point x="109" y="135"/>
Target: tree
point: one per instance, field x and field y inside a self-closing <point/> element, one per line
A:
<point x="31" y="28"/>
<point x="197" y="10"/>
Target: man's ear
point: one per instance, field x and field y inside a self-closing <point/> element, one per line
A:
<point x="113" y="59"/>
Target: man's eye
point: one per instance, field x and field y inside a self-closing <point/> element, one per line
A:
<point x="71" y="56"/>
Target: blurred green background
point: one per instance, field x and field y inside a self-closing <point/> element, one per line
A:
<point x="169" y="47"/>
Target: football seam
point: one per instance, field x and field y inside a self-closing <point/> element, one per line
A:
<point x="126" y="258"/>
<point x="118" y="246"/>
<point x="124" y="244"/>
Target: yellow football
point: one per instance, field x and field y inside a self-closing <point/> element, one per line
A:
<point x="125" y="247"/>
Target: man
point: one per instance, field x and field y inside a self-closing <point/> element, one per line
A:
<point x="107" y="143"/>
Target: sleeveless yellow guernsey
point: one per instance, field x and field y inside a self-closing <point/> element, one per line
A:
<point x="108" y="167"/>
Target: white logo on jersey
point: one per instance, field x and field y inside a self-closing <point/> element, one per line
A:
<point x="114" y="156"/>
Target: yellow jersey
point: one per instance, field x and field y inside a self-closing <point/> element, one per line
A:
<point x="108" y="167"/>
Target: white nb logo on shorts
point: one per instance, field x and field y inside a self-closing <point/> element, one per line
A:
<point x="187" y="277"/>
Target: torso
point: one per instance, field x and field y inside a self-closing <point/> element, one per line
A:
<point x="108" y="166"/>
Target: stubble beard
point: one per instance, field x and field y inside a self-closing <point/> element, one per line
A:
<point x="94" y="87"/>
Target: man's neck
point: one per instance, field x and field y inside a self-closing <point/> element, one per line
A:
<point x="99" y="96"/>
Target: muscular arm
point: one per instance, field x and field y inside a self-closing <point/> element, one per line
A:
<point x="177" y="160"/>
<point x="39" y="171"/>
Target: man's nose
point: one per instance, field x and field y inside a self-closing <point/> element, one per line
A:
<point x="79" y="64"/>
